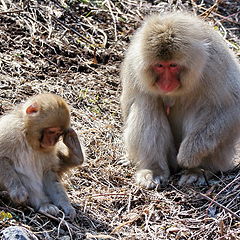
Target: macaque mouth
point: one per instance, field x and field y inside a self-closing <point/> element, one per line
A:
<point x="167" y="76"/>
<point x="166" y="85"/>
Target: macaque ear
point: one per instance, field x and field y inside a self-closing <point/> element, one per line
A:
<point x="33" y="108"/>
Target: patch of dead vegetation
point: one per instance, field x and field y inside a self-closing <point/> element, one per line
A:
<point x="74" y="49"/>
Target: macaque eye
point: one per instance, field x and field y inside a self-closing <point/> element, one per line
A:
<point x="158" y="65"/>
<point x="51" y="132"/>
<point x="173" y="65"/>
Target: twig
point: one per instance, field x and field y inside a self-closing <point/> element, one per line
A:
<point x="58" y="220"/>
<point x="67" y="225"/>
<point x="220" y="205"/>
<point x="107" y="194"/>
<point x="228" y="185"/>
<point x="72" y="29"/>
<point x="231" y="15"/>
<point x="10" y="12"/>
<point x="116" y="229"/>
<point x="219" y="15"/>
<point x="114" y="19"/>
<point x="68" y="27"/>
<point x="209" y="10"/>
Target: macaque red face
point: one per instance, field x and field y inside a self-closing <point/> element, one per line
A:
<point x="167" y="76"/>
<point x="50" y="136"/>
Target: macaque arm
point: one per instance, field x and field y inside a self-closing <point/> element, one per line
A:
<point x="127" y="99"/>
<point x="209" y="132"/>
<point x="148" y="139"/>
<point x="70" y="155"/>
<point x="10" y="181"/>
<point x="56" y="192"/>
<point x="129" y="91"/>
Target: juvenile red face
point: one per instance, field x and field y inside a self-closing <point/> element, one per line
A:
<point x="50" y="136"/>
<point x="167" y="76"/>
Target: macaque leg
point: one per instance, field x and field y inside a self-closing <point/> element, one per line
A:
<point x="10" y="181"/>
<point x="148" y="140"/>
<point x="38" y="199"/>
<point x="220" y="160"/>
<point x="73" y="156"/>
<point x="56" y="192"/>
<point x="198" y="149"/>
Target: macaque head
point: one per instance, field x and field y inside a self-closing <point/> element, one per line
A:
<point x="46" y="118"/>
<point x="173" y="52"/>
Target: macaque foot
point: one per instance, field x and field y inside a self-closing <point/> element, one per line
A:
<point x="49" y="209"/>
<point x="19" y="195"/>
<point x="147" y="179"/>
<point x="193" y="177"/>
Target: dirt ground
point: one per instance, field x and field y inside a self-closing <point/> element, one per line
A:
<point x="74" y="48"/>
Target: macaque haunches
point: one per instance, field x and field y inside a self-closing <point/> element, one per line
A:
<point x="33" y="156"/>
<point x="180" y="100"/>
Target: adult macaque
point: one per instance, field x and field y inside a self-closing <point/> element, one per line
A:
<point x="180" y="100"/>
<point x="32" y="158"/>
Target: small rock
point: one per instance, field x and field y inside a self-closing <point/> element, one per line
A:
<point x="65" y="238"/>
<point x="17" y="233"/>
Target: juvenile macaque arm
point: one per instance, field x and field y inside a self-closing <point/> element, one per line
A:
<point x="73" y="155"/>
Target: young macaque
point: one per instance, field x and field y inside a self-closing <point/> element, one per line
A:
<point x="180" y="100"/>
<point x="32" y="156"/>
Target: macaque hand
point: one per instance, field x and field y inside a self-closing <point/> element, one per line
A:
<point x="19" y="195"/>
<point x="192" y="176"/>
<point x="49" y="209"/>
<point x="188" y="156"/>
<point x="146" y="179"/>
<point x="69" y="211"/>
<point x="71" y="140"/>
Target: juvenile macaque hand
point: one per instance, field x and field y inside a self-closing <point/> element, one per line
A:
<point x="69" y="211"/>
<point x="70" y="138"/>
<point x="49" y="208"/>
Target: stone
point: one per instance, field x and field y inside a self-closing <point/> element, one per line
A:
<point x="17" y="233"/>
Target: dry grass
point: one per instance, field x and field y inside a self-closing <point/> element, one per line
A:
<point x="74" y="49"/>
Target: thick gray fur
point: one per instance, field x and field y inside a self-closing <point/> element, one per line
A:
<point x="203" y="126"/>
